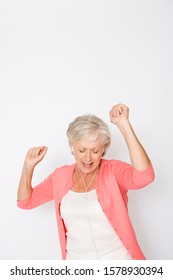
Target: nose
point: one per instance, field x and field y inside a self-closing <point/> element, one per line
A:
<point x="88" y="156"/>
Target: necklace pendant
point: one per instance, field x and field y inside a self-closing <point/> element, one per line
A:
<point x="91" y="181"/>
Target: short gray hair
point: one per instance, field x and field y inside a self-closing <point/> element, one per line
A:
<point x="89" y="127"/>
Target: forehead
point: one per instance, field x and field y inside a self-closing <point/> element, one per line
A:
<point x="88" y="144"/>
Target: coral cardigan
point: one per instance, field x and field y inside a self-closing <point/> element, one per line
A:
<point x="115" y="178"/>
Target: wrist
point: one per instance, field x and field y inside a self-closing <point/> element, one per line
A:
<point x="28" y="169"/>
<point x="124" y="125"/>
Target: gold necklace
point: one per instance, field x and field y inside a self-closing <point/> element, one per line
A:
<point x="92" y="179"/>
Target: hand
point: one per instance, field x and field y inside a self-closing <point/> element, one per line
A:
<point x="34" y="156"/>
<point x="119" y="114"/>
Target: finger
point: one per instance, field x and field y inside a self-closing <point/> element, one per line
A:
<point x="112" y="113"/>
<point x="118" y="111"/>
<point x="29" y="153"/>
<point x="38" y="151"/>
<point x="42" y="148"/>
<point x="122" y="108"/>
<point x="118" y="108"/>
<point x="115" y="111"/>
<point x="42" y="152"/>
<point x="34" y="152"/>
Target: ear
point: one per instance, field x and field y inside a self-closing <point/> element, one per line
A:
<point x="104" y="151"/>
<point x="72" y="150"/>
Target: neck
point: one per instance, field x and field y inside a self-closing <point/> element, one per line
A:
<point x="86" y="175"/>
<point x="87" y="186"/>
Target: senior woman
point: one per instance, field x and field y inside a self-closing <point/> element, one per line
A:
<point x="91" y="195"/>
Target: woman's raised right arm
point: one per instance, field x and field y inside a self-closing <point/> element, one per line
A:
<point x="33" y="157"/>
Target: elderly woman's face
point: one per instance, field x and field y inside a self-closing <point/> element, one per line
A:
<point x="88" y="154"/>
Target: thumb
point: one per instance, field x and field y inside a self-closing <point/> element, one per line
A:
<point x="42" y="152"/>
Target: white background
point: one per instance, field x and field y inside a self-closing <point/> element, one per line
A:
<point x="61" y="59"/>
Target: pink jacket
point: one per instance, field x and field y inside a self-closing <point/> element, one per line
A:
<point x="114" y="180"/>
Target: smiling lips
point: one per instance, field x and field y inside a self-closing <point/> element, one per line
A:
<point x="87" y="165"/>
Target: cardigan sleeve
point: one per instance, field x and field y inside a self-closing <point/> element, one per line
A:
<point x="40" y="194"/>
<point x="130" y="178"/>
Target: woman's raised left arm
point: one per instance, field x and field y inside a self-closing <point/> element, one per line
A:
<point x="119" y="115"/>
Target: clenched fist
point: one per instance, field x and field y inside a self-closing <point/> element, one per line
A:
<point x="119" y="114"/>
<point x="34" y="156"/>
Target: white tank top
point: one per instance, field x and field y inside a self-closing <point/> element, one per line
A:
<point x="89" y="233"/>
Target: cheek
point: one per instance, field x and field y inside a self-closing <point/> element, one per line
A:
<point x="78" y="156"/>
<point x="96" y="158"/>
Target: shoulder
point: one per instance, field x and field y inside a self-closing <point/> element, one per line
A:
<point x="113" y="163"/>
<point x="114" y="166"/>
<point x="63" y="171"/>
